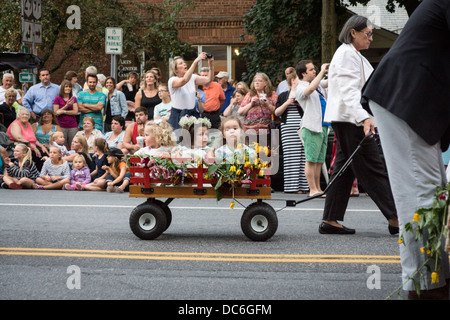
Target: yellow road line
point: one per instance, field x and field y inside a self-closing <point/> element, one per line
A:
<point x="196" y="256"/>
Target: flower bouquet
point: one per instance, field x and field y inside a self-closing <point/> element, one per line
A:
<point x="432" y="222"/>
<point x="236" y="169"/>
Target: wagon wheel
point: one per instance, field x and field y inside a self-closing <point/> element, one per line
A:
<point x="148" y="221"/>
<point x="163" y="206"/>
<point x="259" y="222"/>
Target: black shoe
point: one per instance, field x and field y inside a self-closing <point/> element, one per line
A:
<point x="326" y="228"/>
<point x="4" y="185"/>
<point x="393" y="230"/>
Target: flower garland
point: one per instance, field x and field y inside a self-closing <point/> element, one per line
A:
<point x="431" y="221"/>
<point x="187" y="121"/>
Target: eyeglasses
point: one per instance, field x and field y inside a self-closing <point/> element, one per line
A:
<point x="368" y="34"/>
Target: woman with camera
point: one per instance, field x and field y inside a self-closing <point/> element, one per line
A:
<point x="182" y="84"/>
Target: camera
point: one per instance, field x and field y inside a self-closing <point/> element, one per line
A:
<point x="209" y="55"/>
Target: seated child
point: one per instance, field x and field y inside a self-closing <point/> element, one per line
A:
<point x="55" y="172"/>
<point x="194" y="139"/>
<point x="79" y="175"/>
<point x="21" y="173"/>
<point x="99" y="157"/>
<point x="232" y="130"/>
<point x="159" y="139"/>
<point x="116" y="178"/>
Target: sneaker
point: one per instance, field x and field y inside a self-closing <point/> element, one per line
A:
<point x="68" y="187"/>
<point x="119" y="190"/>
<point x="4" y="185"/>
<point x="78" y="187"/>
<point x="38" y="186"/>
<point x="111" y="189"/>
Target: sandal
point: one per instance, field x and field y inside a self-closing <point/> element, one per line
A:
<point x="38" y="186"/>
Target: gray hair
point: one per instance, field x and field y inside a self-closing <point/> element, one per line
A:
<point x="204" y="69"/>
<point x="8" y="75"/>
<point x="91" y="70"/>
<point x="355" y="22"/>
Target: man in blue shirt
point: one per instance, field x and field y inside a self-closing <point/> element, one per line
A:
<point x="41" y="96"/>
<point x="228" y="89"/>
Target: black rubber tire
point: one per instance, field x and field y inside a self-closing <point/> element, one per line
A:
<point x="259" y="222"/>
<point x="166" y="210"/>
<point x="148" y="221"/>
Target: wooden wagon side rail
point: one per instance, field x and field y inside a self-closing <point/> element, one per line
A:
<point x="142" y="185"/>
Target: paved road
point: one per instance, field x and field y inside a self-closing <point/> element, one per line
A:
<point x="78" y="245"/>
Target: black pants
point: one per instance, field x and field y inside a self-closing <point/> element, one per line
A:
<point x="366" y="166"/>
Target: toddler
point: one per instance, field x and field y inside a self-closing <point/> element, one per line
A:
<point x="57" y="139"/>
<point x="232" y="130"/>
<point x="194" y="139"/>
<point x="79" y="175"/>
<point x="159" y="139"/>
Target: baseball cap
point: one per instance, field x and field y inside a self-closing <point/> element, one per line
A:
<point x="115" y="152"/>
<point x="222" y="74"/>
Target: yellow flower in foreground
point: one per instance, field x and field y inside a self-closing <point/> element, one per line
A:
<point x="238" y="172"/>
<point x="400" y="241"/>
<point x="416" y="217"/>
<point x="232" y="205"/>
<point x="233" y="169"/>
<point x="266" y="150"/>
<point x="434" y="277"/>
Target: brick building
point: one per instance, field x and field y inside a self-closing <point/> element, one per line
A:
<point x="211" y="26"/>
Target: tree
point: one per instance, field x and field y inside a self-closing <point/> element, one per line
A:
<point x="153" y="28"/>
<point x="286" y="31"/>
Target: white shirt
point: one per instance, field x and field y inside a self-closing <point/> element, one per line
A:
<point x="183" y="98"/>
<point x="348" y="73"/>
<point x="312" y="108"/>
<point x="2" y="95"/>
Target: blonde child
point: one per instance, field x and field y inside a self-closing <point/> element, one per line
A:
<point x="195" y="139"/>
<point x="22" y="172"/>
<point x="116" y="178"/>
<point x="159" y="139"/>
<point x="55" y="172"/>
<point x="79" y="175"/>
<point x="57" y="139"/>
<point x="232" y="131"/>
<point x="99" y="157"/>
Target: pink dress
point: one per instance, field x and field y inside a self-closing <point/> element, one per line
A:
<point x="27" y="133"/>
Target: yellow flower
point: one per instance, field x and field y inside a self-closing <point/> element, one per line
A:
<point x="233" y="169"/>
<point x="416" y="217"/>
<point x="434" y="277"/>
<point x="428" y="251"/>
<point x="261" y="172"/>
<point x="400" y="241"/>
<point x="232" y="205"/>
<point x="238" y="172"/>
<point x="422" y="250"/>
<point x="266" y="150"/>
<point x="247" y="164"/>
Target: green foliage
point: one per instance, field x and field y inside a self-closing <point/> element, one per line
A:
<point x="151" y="26"/>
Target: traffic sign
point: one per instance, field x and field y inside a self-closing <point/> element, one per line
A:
<point x="26" y="77"/>
<point x="32" y="9"/>
<point x="113" y="40"/>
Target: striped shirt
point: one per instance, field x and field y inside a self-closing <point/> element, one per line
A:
<point x="49" y="169"/>
<point x="28" y="171"/>
<point x="86" y="97"/>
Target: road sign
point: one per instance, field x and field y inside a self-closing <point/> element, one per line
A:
<point x="28" y="31"/>
<point x="113" y="40"/>
<point x="26" y="77"/>
<point x="37" y="34"/>
<point x="32" y="9"/>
